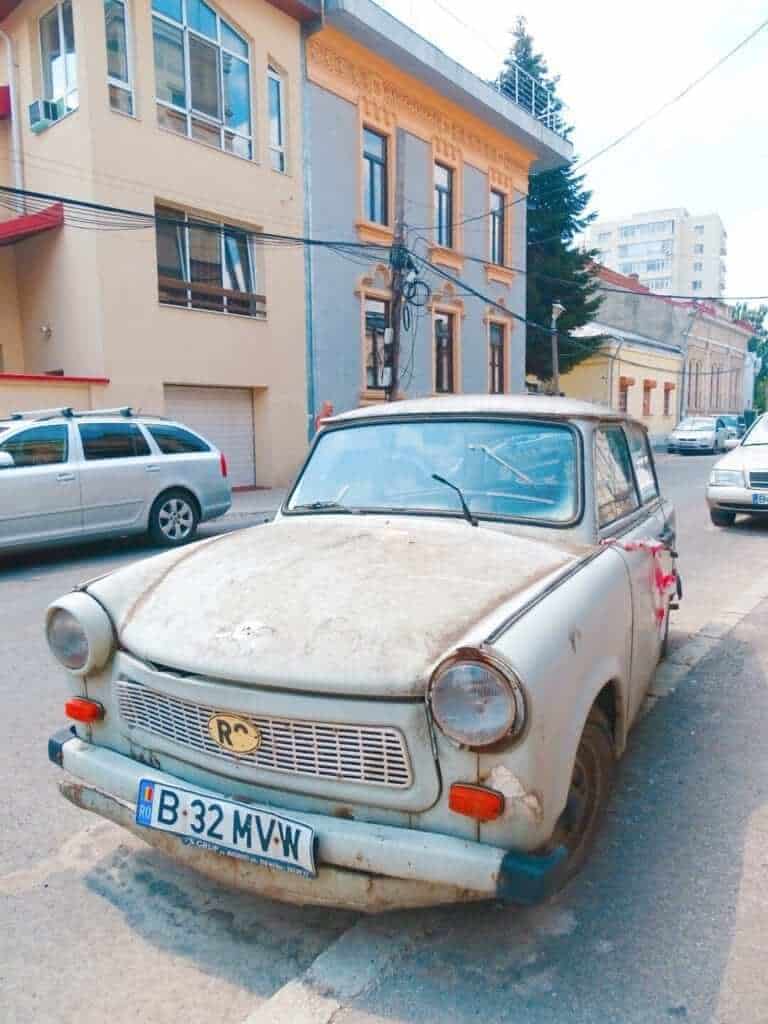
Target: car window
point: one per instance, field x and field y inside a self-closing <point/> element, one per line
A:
<point x="643" y="463"/>
<point x="112" y="441"/>
<point x="614" y="484"/>
<point x="174" y="440"/>
<point x="38" y="446"/>
<point x="758" y="432"/>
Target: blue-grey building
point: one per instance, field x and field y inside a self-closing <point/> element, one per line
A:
<point x="395" y="130"/>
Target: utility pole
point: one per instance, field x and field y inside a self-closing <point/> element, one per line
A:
<point x="398" y="259"/>
<point x="557" y="310"/>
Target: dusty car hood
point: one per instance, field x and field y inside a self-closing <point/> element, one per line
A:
<point x="326" y="604"/>
<point x="749" y="457"/>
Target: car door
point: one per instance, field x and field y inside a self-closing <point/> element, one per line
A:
<point x="118" y="476"/>
<point x="631" y="512"/>
<point x="40" y="493"/>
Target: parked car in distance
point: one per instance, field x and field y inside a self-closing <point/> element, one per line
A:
<point x="69" y="476"/>
<point x="699" y="434"/>
<point x="736" y="425"/>
<point x="410" y="688"/>
<point x="739" y="481"/>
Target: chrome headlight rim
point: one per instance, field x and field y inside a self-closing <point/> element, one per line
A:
<point x="733" y="478"/>
<point x="503" y="671"/>
<point x="97" y="629"/>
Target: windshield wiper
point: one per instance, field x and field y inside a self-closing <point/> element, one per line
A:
<point x="322" y="506"/>
<point x="464" y="506"/>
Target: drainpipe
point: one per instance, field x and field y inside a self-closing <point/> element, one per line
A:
<point x="17" y="159"/>
<point x="308" y="266"/>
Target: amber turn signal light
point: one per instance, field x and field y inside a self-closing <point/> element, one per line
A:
<point x="83" y="710"/>
<point x="476" y="802"/>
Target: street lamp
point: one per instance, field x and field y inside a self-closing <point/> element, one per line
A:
<point x="557" y="310"/>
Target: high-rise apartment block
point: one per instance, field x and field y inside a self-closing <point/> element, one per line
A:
<point x="670" y="251"/>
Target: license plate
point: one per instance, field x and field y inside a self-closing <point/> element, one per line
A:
<point x="760" y="499"/>
<point x="227" y="827"/>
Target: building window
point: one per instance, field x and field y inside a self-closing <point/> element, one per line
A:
<point x="205" y="265"/>
<point x="276" y="87"/>
<point x="648" y="386"/>
<point x="498" y="228"/>
<point x="497" y="338"/>
<point x="698" y="266"/>
<point x="444" y="353"/>
<point x="202" y="76"/>
<point x="696" y="286"/>
<point x="375" y="177"/>
<point x="57" y="49"/>
<point x="668" y="388"/>
<point x="604" y="236"/>
<point x="118" y="56"/>
<point x="623" y="395"/>
<point x="378" y="355"/>
<point x="444" y="206"/>
<point x="699" y="229"/>
<point x="698" y="248"/>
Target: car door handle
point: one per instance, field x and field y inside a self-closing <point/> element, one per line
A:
<point x="152" y="469"/>
<point x="65" y="478"/>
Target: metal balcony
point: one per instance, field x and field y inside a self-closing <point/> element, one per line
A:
<point x="534" y="98"/>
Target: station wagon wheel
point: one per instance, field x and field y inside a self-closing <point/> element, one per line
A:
<point x="590" y="788"/>
<point x="173" y="519"/>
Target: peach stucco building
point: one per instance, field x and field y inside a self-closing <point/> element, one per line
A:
<point x="190" y="112"/>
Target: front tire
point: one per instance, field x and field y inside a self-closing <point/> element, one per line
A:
<point x="173" y="519"/>
<point x="721" y="518"/>
<point x="591" y="784"/>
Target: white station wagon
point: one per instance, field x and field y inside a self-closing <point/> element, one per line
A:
<point x="412" y="687"/>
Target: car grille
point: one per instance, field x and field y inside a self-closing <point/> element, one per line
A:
<point x="758" y="481"/>
<point x="373" y="755"/>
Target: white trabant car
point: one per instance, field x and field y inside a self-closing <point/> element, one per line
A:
<point x="410" y="688"/>
<point x="738" y="483"/>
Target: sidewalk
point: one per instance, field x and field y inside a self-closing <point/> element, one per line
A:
<point x="262" y="504"/>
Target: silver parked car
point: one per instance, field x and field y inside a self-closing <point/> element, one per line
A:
<point x="700" y="434"/>
<point x="69" y="476"/>
<point x="412" y="687"/>
<point x="739" y="481"/>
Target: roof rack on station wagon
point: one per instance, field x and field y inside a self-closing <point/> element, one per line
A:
<point x="68" y="412"/>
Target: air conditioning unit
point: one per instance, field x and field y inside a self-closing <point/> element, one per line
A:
<point x="44" y="113"/>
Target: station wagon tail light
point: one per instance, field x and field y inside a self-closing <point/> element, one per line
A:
<point x="223" y="464"/>
<point x="80" y="709"/>
<point x="475" y="802"/>
<point x="80" y="633"/>
<point x="476" y="699"/>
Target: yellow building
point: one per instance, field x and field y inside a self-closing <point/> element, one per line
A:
<point x="188" y="112"/>
<point x="633" y="374"/>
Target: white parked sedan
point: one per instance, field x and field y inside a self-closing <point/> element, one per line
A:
<point x="700" y="434"/>
<point x="412" y="687"/>
<point x="739" y="481"/>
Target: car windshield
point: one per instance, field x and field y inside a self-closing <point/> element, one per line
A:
<point x="506" y="468"/>
<point x="697" y="424"/>
<point x="758" y="434"/>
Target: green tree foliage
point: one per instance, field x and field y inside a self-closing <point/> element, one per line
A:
<point x="758" y="317"/>
<point x="557" y="204"/>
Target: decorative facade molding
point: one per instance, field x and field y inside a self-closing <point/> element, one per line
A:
<point x="391" y="96"/>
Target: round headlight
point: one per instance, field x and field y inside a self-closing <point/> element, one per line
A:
<point x="80" y="633"/>
<point x="476" y="701"/>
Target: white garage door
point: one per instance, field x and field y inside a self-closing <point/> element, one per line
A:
<point x="225" y="417"/>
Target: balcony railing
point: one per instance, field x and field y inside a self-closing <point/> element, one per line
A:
<point x="194" y="295"/>
<point x="533" y="97"/>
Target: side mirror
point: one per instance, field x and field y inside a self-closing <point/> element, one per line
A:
<point x="731" y="443"/>
<point x="6" y="460"/>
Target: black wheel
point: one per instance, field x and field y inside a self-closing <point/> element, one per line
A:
<point x="591" y="784"/>
<point x="722" y="518"/>
<point x="173" y="519"/>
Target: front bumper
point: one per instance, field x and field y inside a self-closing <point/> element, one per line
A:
<point x="362" y="866"/>
<point x="735" y="499"/>
<point x="704" y="445"/>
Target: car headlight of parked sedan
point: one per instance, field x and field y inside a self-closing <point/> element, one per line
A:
<point x="477" y="700"/>
<point x="727" y="478"/>
<point x="80" y="633"/>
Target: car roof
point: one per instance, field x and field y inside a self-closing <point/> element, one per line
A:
<point x="534" y="406"/>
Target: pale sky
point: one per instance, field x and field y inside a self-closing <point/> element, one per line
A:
<point x="618" y="62"/>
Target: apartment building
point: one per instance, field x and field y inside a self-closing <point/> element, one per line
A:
<point x="670" y="251"/>
<point x="393" y="122"/>
<point x="190" y="112"/>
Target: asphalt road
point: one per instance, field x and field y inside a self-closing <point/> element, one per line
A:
<point x="668" y="921"/>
